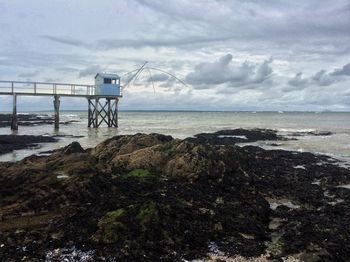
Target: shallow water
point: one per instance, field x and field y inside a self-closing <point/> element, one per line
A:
<point x="185" y="124"/>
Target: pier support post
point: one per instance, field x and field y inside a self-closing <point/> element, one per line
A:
<point x="56" y="104"/>
<point x="14" y="122"/>
<point x="108" y="102"/>
<point x="99" y="112"/>
<point x="116" y="111"/>
<point x="90" y="113"/>
<point x="113" y="112"/>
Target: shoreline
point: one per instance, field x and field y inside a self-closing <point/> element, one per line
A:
<point x="184" y="111"/>
<point x="25" y="145"/>
<point x="182" y="125"/>
<point x="136" y="196"/>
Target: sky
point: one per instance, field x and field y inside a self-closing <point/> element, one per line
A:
<point x="233" y="55"/>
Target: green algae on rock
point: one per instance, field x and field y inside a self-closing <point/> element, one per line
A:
<point x="110" y="225"/>
<point x="138" y="173"/>
<point x="147" y="213"/>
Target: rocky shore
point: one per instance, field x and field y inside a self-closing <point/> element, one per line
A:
<point x="30" y="120"/>
<point x="8" y="143"/>
<point x="154" y="198"/>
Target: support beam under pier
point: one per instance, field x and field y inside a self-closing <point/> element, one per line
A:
<point x="56" y="104"/>
<point x="99" y="113"/>
<point x="14" y="121"/>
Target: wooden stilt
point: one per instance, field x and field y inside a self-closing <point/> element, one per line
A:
<point x="90" y="114"/>
<point x="14" y="122"/>
<point x="99" y="112"/>
<point x="56" y="104"/>
<point x="96" y="113"/>
<point x="116" y="112"/>
<point x="108" y="101"/>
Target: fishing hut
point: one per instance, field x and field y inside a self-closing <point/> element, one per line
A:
<point x="102" y="97"/>
<point x="104" y="104"/>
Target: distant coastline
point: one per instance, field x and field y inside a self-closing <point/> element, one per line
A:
<point x="187" y="111"/>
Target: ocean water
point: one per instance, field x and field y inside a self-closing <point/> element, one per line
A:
<point x="185" y="124"/>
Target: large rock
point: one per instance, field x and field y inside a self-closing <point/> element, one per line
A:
<point x="8" y="143"/>
<point x="152" y="197"/>
<point x="234" y="136"/>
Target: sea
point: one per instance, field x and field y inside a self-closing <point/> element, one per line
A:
<point x="186" y="124"/>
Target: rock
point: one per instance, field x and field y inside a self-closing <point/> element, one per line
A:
<point x="311" y="133"/>
<point x="121" y="145"/>
<point x="151" y="197"/>
<point x="8" y="143"/>
<point x="30" y="120"/>
<point x="231" y="137"/>
<point x="74" y="147"/>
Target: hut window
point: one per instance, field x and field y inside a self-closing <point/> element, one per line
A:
<point x="107" y="81"/>
<point x="114" y="81"/>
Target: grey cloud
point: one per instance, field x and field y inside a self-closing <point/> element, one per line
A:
<point x="323" y="78"/>
<point x="249" y="25"/>
<point x="167" y="82"/>
<point x="180" y="42"/>
<point x="158" y="78"/>
<point x="66" y="41"/>
<point x="263" y="71"/>
<point x="51" y="80"/>
<point x="156" y="42"/>
<point x="66" y="69"/>
<point x="171" y="84"/>
<point x="224" y="71"/>
<point x="40" y="61"/>
<point x="345" y="70"/>
<point x="298" y="80"/>
<point x="184" y="32"/>
<point x="29" y="74"/>
<point x="90" y="70"/>
<point x="192" y="11"/>
<point x="297" y="24"/>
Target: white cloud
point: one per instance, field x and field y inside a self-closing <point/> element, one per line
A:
<point x="225" y="71"/>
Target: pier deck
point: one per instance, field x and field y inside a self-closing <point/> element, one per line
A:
<point x="108" y="112"/>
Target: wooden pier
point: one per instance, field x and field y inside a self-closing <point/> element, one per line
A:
<point x="102" y="108"/>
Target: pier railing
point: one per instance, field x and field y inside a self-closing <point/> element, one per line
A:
<point x="42" y="88"/>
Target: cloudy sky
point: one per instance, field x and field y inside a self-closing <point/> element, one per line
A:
<point x="233" y="55"/>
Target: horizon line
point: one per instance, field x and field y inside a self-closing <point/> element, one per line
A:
<point x="186" y="110"/>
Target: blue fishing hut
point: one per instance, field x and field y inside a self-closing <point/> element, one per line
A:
<point x="107" y="85"/>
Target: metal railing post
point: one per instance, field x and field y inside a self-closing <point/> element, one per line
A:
<point x="12" y="87"/>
